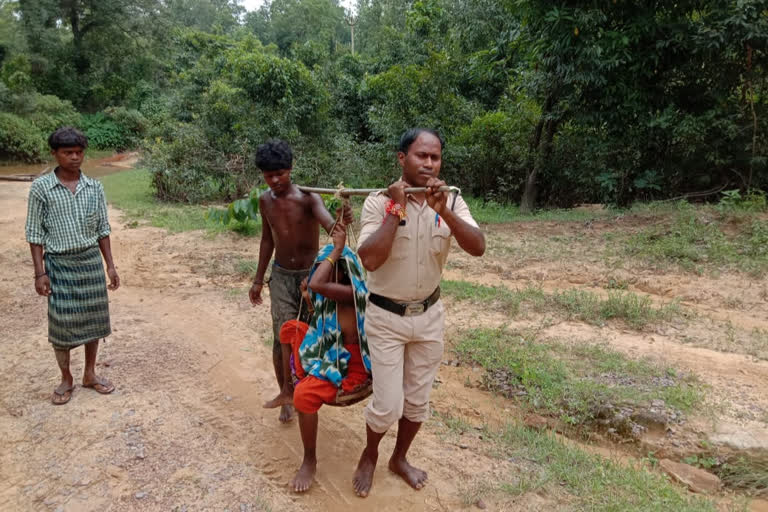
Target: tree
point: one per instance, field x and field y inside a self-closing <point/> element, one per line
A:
<point x="657" y="79"/>
<point x="291" y="24"/>
<point x="73" y="40"/>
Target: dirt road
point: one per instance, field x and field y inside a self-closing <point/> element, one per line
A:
<point x="189" y="356"/>
<point x="185" y="428"/>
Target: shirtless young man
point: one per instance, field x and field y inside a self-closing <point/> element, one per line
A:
<point x="339" y="292"/>
<point x="291" y="221"/>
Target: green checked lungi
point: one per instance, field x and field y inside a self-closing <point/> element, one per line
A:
<point x="78" y="308"/>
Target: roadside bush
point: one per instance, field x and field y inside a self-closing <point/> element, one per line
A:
<point x="326" y="163"/>
<point x="132" y="124"/>
<point x="102" y="132"/>
<point x="45" y="112"/>
<point x="20" y="139"/>
<point x="5" y="97"/>
<point x="14" y="65"/>
<point x="49" y="113"/>
<point x="416" y="95"/>
<point x="488" y="157"/>
<point x="734" y="201"/>
<point x="116" y="128"/>
<point x="20" y="83"/>
<point x="244" y="96"/>
<point x="186" y="168"/>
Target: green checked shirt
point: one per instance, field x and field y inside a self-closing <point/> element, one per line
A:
<point x="61" y="221"/>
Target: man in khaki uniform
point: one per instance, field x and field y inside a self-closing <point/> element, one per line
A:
<point x="404" y="243"/>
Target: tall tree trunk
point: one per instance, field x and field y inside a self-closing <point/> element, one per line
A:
<point x="80" y="60"/>
<point x="538" y="153"/>
<point x="528" y="201"/>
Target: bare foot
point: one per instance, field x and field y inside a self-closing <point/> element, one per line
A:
<point x="62" y="393"/>
<point x="363" y="479"/>
<point x="286" y="413"/>
<point x="304" y="476"/>
<point x="99" y="384"/>
<point x="415" y="477"/>
<point x="284" y="398"/>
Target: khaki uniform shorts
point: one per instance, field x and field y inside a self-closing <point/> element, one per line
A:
<point x="405" y="356"/>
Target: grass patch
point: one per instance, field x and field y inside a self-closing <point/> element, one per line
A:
<point x="636" y="311"/>
<point x="492" y="212"/>
<point x="131" y="191"/>
<point x="696" y="240"/>
<point x="725" y="337"/>
<point x="575" y="479"/>
<point x="453" y="426"/>
<point x="582" y="384"/>
<point x="597" y="483"/>
<point x="499" y="298"/>
<point x="236" y="293"/>
<point x="246" y="268"/>
<point x="746" y="474"/>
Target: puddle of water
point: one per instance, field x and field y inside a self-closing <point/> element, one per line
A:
<point x="93" y="167"/>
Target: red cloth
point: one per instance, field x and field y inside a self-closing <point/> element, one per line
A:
<point x="292" y="333"/>
<point x="311" y="392"/>
<point x="356" y="374"/>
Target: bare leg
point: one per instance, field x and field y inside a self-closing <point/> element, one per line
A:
<point x="406" y="432"/>
<point x="285" y="397"/>
<point x="90" y="379"/>
<point x="281" y="360"/>
<point x="363" y="479"/>
<point x="306" y="473"/>
<point x="63" y="391"/>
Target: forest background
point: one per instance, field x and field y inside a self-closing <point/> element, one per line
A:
<point x="541" y="103"/>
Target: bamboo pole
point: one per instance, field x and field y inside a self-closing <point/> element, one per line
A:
<point x="346" y="192"/>
<point x="17" y="177"/>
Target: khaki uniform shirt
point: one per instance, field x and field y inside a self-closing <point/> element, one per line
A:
<point x="419" y="251"/>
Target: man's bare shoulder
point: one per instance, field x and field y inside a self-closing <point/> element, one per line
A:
<point x="274" y="206"/>
<point x="305" y="197"/>
<point x="265" y="198"/>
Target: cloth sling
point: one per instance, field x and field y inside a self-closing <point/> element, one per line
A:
<point x="322" y="353"/>
<point x="78" y="307"/>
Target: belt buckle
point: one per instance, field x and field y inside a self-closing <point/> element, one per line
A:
<point x="414" y="309"/>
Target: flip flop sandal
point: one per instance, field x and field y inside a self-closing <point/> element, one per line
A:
<point x="104" y="386"/>
<point x="65" y="397"/>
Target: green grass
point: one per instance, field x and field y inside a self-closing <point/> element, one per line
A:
<point x="695" y="240"/>
<point x="131" y="191"/>
<point x="746" y="474"/>
<point x="597" y="483"/>
<point x="637" y="311"/>
<point x="546" y="465"/>
<point x="491" y="212"/>
<point x="246" y="268"/>
<point x="574" y="382"/>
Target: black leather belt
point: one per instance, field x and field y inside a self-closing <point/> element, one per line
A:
<point x="405" y="308"/>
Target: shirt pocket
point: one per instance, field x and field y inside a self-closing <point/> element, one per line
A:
<point x="91" y="221"/>
<point x="90" y="209"/>
<point x="441" y="239"/>
<point x="401" y="246"/>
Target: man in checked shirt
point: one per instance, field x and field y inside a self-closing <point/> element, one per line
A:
<point x="68" y="233"/>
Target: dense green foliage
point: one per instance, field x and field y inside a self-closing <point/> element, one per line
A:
<point x="542" y="103"/>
